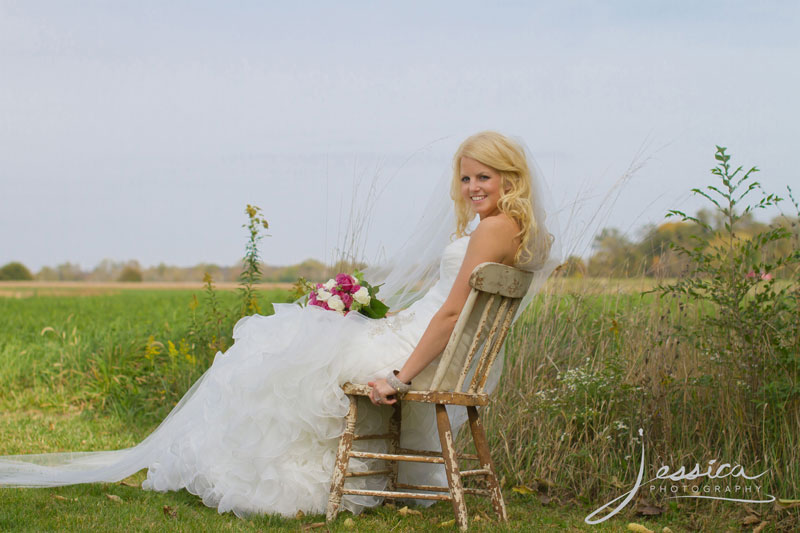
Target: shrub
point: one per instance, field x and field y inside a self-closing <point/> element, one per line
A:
<point x="749" y="324"/>
<point x="130" y="274"/>
<point x="15" y="271"/>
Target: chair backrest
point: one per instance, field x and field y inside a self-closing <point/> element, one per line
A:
<point x="482" y="326"/>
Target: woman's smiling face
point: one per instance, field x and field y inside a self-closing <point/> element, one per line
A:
<point x="480" y="187"/>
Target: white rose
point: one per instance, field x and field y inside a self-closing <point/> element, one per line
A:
<point x="324" y="296"/>
<point x="362" y="296"/>
<point x="328" y="285"/>
<point x="336" y="303"/>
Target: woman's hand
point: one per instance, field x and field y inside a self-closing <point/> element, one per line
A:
<point x="379" y="395"/>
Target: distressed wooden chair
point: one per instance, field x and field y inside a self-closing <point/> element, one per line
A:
<point x="468" y="357"/>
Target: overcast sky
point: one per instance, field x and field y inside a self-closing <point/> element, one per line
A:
<point x="140" y="130"/>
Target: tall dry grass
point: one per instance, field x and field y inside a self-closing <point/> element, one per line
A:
<point x="584" y="371"/>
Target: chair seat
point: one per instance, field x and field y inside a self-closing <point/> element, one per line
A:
<point x="440" y="397"/>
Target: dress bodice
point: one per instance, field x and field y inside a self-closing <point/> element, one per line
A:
<point x="452" y="257"/>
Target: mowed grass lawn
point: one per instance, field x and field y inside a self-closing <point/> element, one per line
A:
<point x="61" y="350"/>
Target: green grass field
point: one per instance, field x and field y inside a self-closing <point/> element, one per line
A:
<point x="93" y="369"/>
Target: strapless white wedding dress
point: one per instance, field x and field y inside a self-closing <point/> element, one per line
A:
<point x="258" y="432"/>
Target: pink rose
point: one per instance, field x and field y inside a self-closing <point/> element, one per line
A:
<point x="345" y="282"/>
<point x="751" y="275"/>
<point x="766" y="276"/>
<point x="346" y="298"/>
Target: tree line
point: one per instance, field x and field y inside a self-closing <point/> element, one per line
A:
<point x="618" y="255"/>
<point x="615" y="254"/>
<point x="132" y="271"/>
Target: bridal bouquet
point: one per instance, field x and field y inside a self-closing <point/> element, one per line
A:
<point x="346" y="293"/>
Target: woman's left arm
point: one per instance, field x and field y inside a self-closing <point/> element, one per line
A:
<point x="492" y="241"/>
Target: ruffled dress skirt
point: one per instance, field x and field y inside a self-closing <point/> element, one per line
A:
<point x="258" y="432"/>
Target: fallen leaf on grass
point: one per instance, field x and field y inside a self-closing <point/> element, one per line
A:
<point x="523" y="489"/>
<point x="300" y="514"/>
<point x="114" y="498"/>
<point x="750" y="520"/>
<point x="63" y="499"/>
<point x="448" y="523"/>
<point x="315" y="525"/>
<point x="128" y="484"/>
<point x="782" y="505"/>
<point x="760" y="527"/>
<point x="169" y="512"/>
<point x="405" y="511"/>
<point x="639" y="528"/>
<point x="349" y="523"/>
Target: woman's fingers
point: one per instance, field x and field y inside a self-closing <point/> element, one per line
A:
<point x="372" y="394"/>
<point x="377" y="398"/>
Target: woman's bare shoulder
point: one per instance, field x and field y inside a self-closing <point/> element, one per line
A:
<point x="495" y="239"/>
<point x="498" y="225"/>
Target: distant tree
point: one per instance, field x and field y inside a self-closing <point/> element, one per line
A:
<point x="70" y="272"/>
<point x="573" y="267"/>
<point x="615" y="255"/>
<point x="130" y="273"/>
<point x="786" y="246"/>
<point x="313" y="270"/>
<point x="659" y="259"/>
<point x="47" y="273"/>
<point x="15" y="271"/>
<point x="106" y="270"/>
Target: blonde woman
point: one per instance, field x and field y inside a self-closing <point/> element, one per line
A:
<point x="257" y="433"/>
<point x="491" y="179"/>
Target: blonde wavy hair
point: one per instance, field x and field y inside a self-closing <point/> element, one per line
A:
<point x="506" y="158"/>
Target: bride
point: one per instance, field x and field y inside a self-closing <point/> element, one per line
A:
<point x="258" y="432"/>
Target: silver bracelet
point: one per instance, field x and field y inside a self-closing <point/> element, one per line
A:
<point x="396" y="384"/>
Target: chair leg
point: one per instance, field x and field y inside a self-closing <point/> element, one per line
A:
<point x="342" y="459"/>
<point x="394" y="443"/>
<point x="451" y="466"/>
<point x="482" y="446"/>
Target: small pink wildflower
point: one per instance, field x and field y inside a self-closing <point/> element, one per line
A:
<point x="766" y="276"/>
<point x="751" y="275"/>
